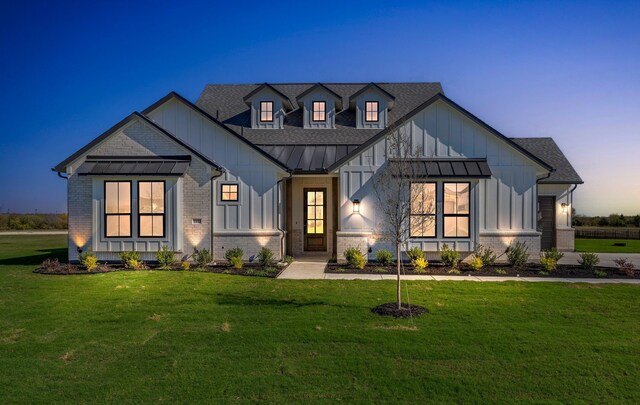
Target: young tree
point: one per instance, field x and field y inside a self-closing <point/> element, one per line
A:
<point x="396" y="198"/>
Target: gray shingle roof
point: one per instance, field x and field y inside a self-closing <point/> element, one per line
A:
<point x="547" y="150"/>
<point x="225" y="102"/>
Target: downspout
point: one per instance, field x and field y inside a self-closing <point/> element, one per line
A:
<point x="571" y="204"/>
<point x="219" y="174"/>
<point x="282" y="231"/>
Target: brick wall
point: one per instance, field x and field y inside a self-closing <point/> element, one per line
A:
<point x="250" y="242"/>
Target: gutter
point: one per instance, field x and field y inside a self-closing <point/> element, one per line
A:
<point x="571" y="202"/>
<point x="59" y="174"/>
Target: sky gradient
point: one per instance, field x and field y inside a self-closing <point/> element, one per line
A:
<point x="569" y="70"/>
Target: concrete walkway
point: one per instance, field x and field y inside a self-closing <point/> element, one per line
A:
<point x="606" y="259"/>
<point x="35" y="232"/>
<point x="313" y="269"/>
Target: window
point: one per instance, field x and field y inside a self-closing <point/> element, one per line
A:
<point x="319" y="111"/>
<point x="151" y="209"/>
<point x="456" y="210"/>
<point x="371" y="111"/>
<point x="117" y="209"/>
<point x="266" y="111"/>
<point x="229" y="192"/>
<point x="423" y="210"/>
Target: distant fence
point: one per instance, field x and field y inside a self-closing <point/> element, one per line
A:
<point x="608" y="233"/>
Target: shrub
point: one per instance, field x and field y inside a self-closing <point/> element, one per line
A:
<point x="549" y="263"/>
<point x="589" y="260"/>
<point x="502" y="272"/>
<point x="288" y="259"/>
<point x="202" y="257"/>
<point x="476" y="263"/>
<point x="518" y="253"/>
<point x="485" y="254"/>
<point x="165" y="257"/>
<point x="453" y="271"/>
<point x="420" y="265"/>
<point x="236" y="262"/>
<point x="51" y="265"/>
<point x="552" y="254"/>
<point x="600" y="273"/>
<point x="131" y="260"/>
<point x="265" y="257"/>
<point x="449" y="256"/>
<point x="88" y="260"/>
<point x="626" y="267"/>
<point x="384" y="257"/>
<point x="414" y="254"/>
<point x="185" y="265"/>
<point x="355" y="257"/>
<point x="233" y="252"/>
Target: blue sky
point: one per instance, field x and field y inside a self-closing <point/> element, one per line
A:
<point x="570" y="70"/>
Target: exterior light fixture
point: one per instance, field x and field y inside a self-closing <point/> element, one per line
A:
<point x="79" y="249"/>
<point x="356" y="206"/>
<point x="564" y="208"/>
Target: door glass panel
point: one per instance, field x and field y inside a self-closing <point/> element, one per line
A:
<point x="311" y="226"/>
<point x="319" y="226"/>
<point x="311" y="198"/>
<point x="319" y="198"/>
<point x="319" y="212"/>
<point x="311" y="213"/>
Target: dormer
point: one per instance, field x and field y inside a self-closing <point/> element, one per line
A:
<point x="319" y="105"/>
<point x="372" y="105"/>
<point x="268" y="107"/>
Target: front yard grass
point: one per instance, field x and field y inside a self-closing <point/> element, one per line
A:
<point x="607" y="245"/>
<point x="196" y="337"/>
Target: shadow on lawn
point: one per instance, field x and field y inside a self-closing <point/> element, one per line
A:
<point x="243" y="300"/>
<point x="36" y="258"/>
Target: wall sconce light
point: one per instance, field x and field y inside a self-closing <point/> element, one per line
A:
<point x="79" y="249"/>
<point x="564" y="208"/>
<point x="356" y="206"/>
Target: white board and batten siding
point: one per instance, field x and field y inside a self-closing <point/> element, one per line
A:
<point x="257" y="177"/>
<point x="504" y="204"/>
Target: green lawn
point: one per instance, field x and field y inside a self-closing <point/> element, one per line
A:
<point x="606" y="246"/>
<point x="194" y="337"/>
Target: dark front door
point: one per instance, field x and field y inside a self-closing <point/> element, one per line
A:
<point x="315" y="223"/>
<point x="547" y="221"/>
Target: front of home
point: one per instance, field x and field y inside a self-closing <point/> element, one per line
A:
<point x="291" y="167"/>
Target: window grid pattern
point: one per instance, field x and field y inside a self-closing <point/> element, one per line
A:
<point x="371" y="111"/>
<point x="266" y="111"/>
<point x="151" y="209"/>
<point x="229" y="192"/>
<point x="423" y="210"/>
<point x="315" y="212"/>
<point x="117" y="212"/>
<point x="456" y="210"/>
<point x="319" y="111"/>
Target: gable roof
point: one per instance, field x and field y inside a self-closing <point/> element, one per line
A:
<point x="285" y="98"/>
<point x="320" y="86"/>
<point x="379" y="89"/>
<point x="548" y="150"/>
<point x="62" y="166"/>
<point x="175" y="96"/>
<point x="225" y="101"/>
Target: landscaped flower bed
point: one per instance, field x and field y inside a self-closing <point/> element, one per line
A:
<point x="499" y="270"/>
<point x="248" y="269"/>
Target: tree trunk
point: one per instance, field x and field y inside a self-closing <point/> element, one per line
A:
<point x="398" y="296"/>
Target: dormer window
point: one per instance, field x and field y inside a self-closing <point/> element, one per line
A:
<point x="371" y="111"/>
<point x="266" y="111"/>
<point x="319" y="111"/>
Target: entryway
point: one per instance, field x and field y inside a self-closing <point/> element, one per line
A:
<point x="315" y="229"/>
<point x="547" y="222"/>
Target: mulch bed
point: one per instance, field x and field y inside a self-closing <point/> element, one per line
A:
<point x="405" y="310"/>
<point x="249" y="269"/>
<point x="438" y="269"/>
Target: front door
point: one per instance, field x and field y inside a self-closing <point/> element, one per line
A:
<point x="547" y="222"/>
<point x="315" y="223"/>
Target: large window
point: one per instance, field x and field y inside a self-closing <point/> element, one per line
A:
<point x="371" y="111"/>
<point x="117" y="212"/>
<point x="151" y="208"/>
<point x="229" y="192"/>
<point x="456" y="210"/>
<point x="423" y="210"/>
<point x="319" y="111"/>
<point x="266" y="111"/>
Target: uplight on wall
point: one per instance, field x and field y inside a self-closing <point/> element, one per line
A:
<point x="563" y="206"/>
<point x="356" y="206"/>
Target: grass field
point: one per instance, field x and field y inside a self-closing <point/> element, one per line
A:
<point x="195" y="337"/>
<point x="607" y="245"/>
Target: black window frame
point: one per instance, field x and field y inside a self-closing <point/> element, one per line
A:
<point x="237" y="186"/>
<point x="262" y="109"/>
<point x="164" y="209"/>
<point x="434" y="215"/>
<point x="313" y="111"/>
<point x="445" y="215"/>
<point x="377" y="111"/>
<point x="106" y="215"/>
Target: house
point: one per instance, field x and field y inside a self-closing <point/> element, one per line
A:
<point x="290" y="167"/>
